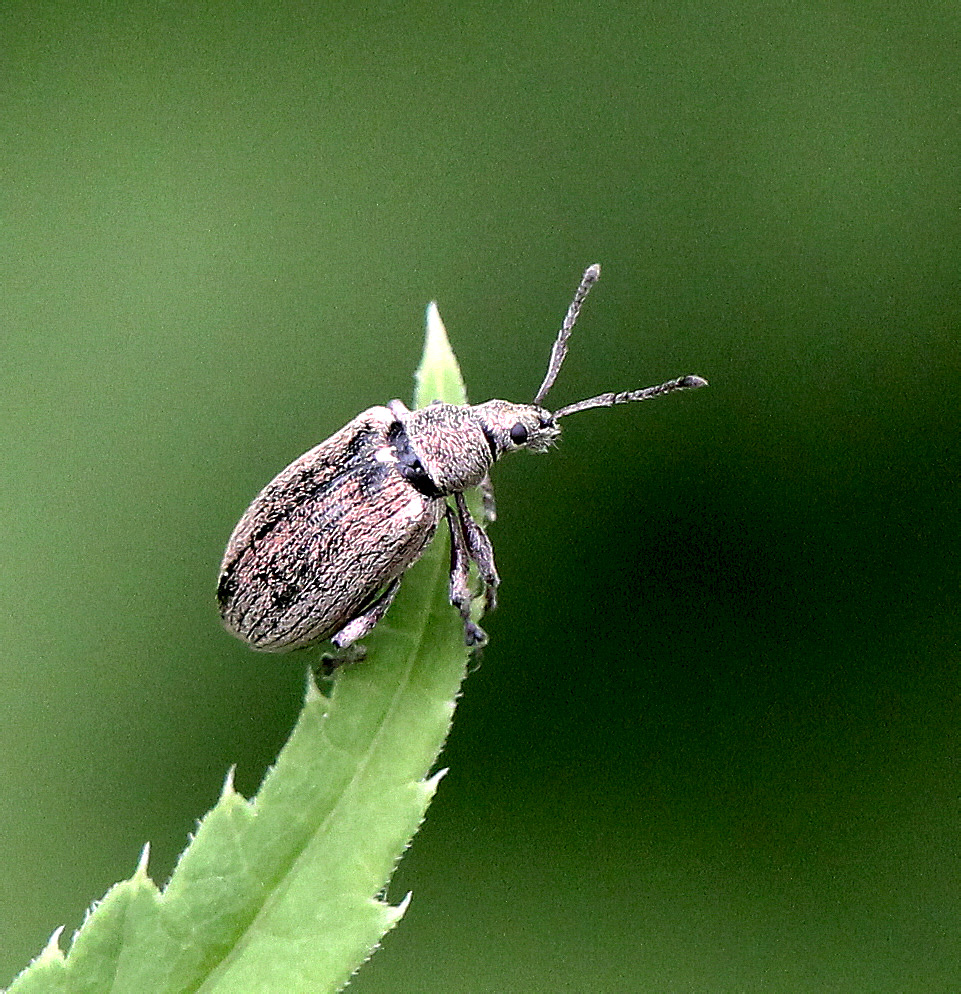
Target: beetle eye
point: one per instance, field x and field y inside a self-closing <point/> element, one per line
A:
<point x="518" y="434"/>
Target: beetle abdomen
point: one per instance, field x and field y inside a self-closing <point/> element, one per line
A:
<point x="319" y="543"/>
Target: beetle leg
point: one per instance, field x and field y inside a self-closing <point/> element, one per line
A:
<point x="479" y="549"/>
<point x="398" y="408"/>
<point x="358" y="627"/>
<point x="330" y="661"/>
<point x="486" y="489"/>
<point x="460" y="578"/>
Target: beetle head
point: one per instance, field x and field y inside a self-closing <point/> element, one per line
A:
<point x="508" y="426"/>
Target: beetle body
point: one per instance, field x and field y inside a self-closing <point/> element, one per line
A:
<point x="337" y="520"/>
<point x="320" y="552"/>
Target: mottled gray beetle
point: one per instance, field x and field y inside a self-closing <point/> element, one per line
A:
<point x="321" y="551"/>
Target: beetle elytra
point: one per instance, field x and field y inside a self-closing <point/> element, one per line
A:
<point x="321" y="551"/>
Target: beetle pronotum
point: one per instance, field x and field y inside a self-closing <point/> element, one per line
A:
<point x="320" y="552"/>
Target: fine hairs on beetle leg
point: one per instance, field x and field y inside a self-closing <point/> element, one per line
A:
<point x="321" y="551"/>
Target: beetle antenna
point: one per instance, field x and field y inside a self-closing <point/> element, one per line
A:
<point x="610" y="399"/>
<point x="559" y="351"/>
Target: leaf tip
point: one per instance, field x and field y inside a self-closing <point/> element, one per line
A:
<point x="438" y="375"/>
<point x="431" y="784"/>
<point x="227" y="790"/>
<point x="437" y="350"/>
<point x="140" y="874"/>
<point x="52" y="953"/>
<point x="437" y="340"/>
<point x="394" y="912"/>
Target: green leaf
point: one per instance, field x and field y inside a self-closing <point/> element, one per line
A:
<point x="279" y="893"/>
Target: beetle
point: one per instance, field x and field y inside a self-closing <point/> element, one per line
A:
<point x="321" y="551"/>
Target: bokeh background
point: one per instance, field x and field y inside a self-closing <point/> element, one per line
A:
<point x="714" y="744"/>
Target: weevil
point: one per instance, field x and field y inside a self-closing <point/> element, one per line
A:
<point x="321" y="551"/>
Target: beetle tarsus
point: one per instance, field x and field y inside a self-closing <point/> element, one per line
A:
<point x="331" y="661"/>
<point x="474" y="637"/>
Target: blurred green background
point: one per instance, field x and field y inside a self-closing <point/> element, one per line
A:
<point x="714" y="744"/>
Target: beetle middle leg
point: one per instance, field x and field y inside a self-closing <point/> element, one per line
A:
<point x="488" y="503"/>
<point x="331" y="661"/>
<point x="460" y="595"/>
<point x="479" y="549"/>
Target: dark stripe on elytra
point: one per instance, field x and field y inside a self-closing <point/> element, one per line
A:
<point x="227" y="586"/>
<point x="408" y="464"/>
<point x="491" y="441"/>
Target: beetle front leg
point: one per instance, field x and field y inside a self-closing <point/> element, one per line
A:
<point x="480" y="550"/>
<point x="460" y="579"/>
<point x="488" y="503"/>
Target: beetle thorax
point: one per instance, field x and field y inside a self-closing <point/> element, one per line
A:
<point x="450" y="443"/>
